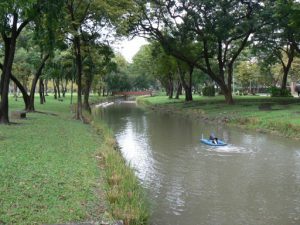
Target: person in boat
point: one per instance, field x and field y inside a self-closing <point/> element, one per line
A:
<point x="213" y="138"/>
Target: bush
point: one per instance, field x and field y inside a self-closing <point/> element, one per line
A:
<point x="209" y="91"/>
<point x="278" y="92"/>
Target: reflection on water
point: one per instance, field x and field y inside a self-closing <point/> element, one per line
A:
<point x="254" y="180"/>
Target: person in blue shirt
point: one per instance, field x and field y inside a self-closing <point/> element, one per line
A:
<point x="213" y="138"/>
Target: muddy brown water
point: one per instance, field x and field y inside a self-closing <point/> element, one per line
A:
<point x="255" y="180"/>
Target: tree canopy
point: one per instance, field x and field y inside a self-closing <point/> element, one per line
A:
<point x="192" y="44"/>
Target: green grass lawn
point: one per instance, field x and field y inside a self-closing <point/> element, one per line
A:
<point x="283" y="116"/>
<point x="48" y="169"/>
<point x="54" y="170"/>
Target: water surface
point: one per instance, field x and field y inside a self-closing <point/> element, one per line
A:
<point x="255" y="180"/>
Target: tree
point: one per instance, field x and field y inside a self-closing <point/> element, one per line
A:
<point x="164" y="68"/>
<point x="89" y="20"/>
<point x="248" y="76"/>
<point x="98" y="58"/>
<point x="78" y="13"/>
<point x="153" y="61"/>
<point x="141" y="69"/>
<point x="219" y="29"/>
<point x="14" y="17"/>
<point x="117" y="78"/>
<point x="295" y="70"/>
<point x="278" y="45"/>
<point x="34" y="60"/>
<point x="292" y="11"/>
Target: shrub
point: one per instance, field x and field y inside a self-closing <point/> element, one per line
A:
<point x="278" y="92"/>
<point x="209" y="91"/>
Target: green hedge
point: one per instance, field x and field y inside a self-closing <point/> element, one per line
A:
<point x="278" y="92"/>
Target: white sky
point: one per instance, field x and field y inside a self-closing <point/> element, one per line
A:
<point x="128" y="48"/>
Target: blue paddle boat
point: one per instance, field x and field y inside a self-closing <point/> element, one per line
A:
<point x="210" y="142"/>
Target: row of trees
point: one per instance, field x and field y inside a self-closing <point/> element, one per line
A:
<point x="68" y="40"/>
<point x="251" y="73"/>
<point x="211" y="35"/>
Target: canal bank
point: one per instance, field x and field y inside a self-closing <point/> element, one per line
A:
<point x="279" y="116"/>
<point x="125" y="196"/>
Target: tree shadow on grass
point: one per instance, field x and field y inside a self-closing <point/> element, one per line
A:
<point x="267" y="106"/>
<point x="46" y="113"/>
<point x="14" y="123"/>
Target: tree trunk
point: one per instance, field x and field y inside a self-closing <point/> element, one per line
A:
<point x="57" y="87"/>
<point x="189" y="92"/>
<point x="22" y="89"/>
<point x="284" y="78"/>
<point x="228" y="97"/>
<point x="87" y="89"/>
<point x="86" y="103"/>
<point x="227" y="88"/>
<point x="37" y="75"/>
<point x="55" y="90"/>
<point x="187" y="87"/>
<point x="170" y="87"/>
<point x="79" y="77"/>
<point x="179" y="90"/>
<point x="46" y="87"/>
<point x="42" y="91"/>
<point x="63" y="88"/>
<point x="227" y="94"/>
<point x="286" y="68"/>
<point x="10" y="46"/>
<point x="71" y="101"/>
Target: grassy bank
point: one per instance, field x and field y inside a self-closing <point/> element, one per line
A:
<point x="264" y="114"/>
<point x="126" y="198"/>
<point x="54" y="169"/>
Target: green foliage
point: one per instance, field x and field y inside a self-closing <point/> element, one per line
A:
<point x="294" y="72"/>
<point x="141" y="70"/>
<point x="164" y="66"/>
<point x="116" y="78"/>
<point x="225" y="30"/>
<point x="209" y="91"/>
<point x="278" y="92"/>
<point x="48" y="24"/>
<point x="118" y="81"/>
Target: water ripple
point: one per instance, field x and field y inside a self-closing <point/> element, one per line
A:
<point x="232" y="149"/>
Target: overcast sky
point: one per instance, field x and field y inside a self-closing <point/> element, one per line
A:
<point x="128" y="48"/>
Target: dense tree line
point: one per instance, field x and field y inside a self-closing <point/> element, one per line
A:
<point x="60" y="43"/>
<point x="66" y="40"/>
<point x="212" y="35"/>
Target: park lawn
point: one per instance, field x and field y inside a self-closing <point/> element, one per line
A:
<point x="283" y="118"/>
<point x="48" y="168"/>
